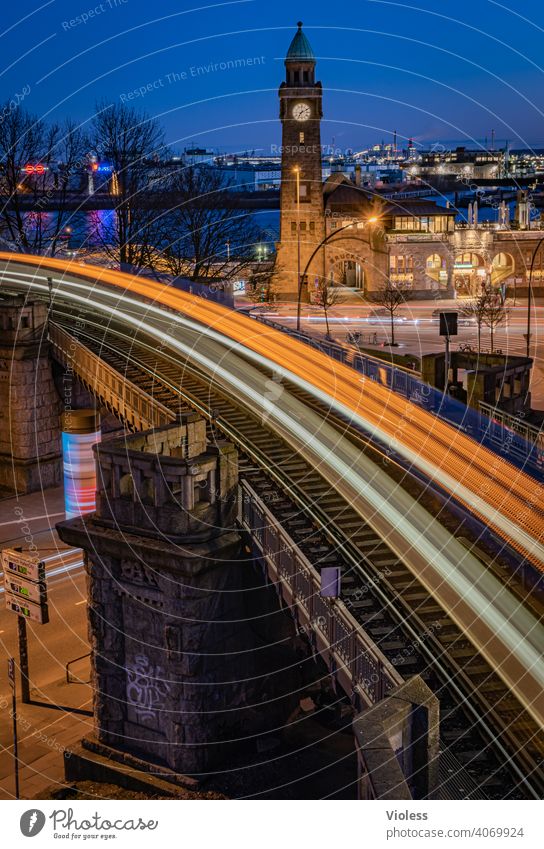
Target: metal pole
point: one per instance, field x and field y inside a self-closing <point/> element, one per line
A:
<point x="11" y="676"/>
<point x="530" y="295"/>
<point x="447" y="363"/>
<point x="23" y="660"/>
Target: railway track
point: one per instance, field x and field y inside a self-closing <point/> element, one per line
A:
<point x="483" y="727"/>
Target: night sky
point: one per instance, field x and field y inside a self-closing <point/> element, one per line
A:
<point x="434" y="69"/>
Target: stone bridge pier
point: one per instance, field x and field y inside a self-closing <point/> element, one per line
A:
<point x="30" y="407"/>
<point x="175" y="665"/>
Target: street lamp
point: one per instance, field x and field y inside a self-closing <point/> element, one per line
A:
<point x="322" y="243"/>
<point x="296" y="170"/>
<point x="529" y="296"/>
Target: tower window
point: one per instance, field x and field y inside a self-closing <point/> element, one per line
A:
<point x="312" y="227"/>
<point x="301" y="138"/>
<point x="293" y="228"/>
<point x="305" y="192"/>
<point x="297" y="77"/>
<point x="302" y="226"/>
<point x="305" y="76"/>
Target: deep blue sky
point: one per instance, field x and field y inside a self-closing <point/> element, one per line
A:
<point x="433" y="69"/>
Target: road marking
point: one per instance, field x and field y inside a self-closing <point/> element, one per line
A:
<point x="26" y="519"/>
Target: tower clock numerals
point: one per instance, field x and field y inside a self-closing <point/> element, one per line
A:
<point x="301" y="111"/>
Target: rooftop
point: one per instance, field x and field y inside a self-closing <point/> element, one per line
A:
<point x="300" y="50"/>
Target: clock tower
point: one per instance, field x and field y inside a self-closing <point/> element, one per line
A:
<point x="302" y="219"/>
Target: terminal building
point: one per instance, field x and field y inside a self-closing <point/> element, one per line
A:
<point x="339" y="230"/>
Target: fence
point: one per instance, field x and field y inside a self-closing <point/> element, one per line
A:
<point x="495" y="432"/>
<point x="126" y="400"/>
<point x="354" y="658"/>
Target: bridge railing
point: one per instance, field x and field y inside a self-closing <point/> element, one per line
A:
<point x="360" y="666"/>
<point x="529" y="432"/>
<point x="130" y="403"/>
<point x="510" y="443"/>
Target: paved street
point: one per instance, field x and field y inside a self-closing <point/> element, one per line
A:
<point x="49" y="724"/>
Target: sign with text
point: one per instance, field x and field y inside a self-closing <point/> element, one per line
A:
<point x="27" y="609"/>
<point x="25" y="586"/>
<point x="23" y="564"/>
<point x="28" y="590"/>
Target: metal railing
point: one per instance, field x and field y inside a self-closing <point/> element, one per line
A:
<point x="360" y="666"/>
<point x="500" y="438"/>
<point x="69" y="679"/>
<point x="130" y="403"/>
<point x="529" y="432"/>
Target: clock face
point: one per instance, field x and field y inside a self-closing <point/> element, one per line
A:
<point x="301" y="111"/>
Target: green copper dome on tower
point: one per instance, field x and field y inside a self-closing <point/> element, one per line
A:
<point x="300" y="50"/>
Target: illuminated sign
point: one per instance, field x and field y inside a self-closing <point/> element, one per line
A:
<point x="34" y="169"/>
<point x="80" y="431"/>
<point x="101" y="167"/>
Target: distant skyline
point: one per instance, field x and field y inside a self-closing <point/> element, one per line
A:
<point x="211" y="74"/>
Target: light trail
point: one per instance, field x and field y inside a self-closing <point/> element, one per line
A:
<point x="494" y="490"/>
<point x="221" y="343"/>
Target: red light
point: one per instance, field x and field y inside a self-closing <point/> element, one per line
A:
<point x="34" y="169"/>
<point x="95" y="166"/>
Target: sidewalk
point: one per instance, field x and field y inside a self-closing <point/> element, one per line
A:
<point x="44" y="733"/>
<point x="44" y="730"/>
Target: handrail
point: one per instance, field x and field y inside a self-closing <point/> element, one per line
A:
<point x="365" y="669"/>
<point x="75" y="660"/>
<point x="129" y="401"/>
<point x="529" y="431"/>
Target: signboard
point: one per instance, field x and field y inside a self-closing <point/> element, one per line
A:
<point x="28" y="590"/>
<point x="448" y="324"/>
<point x="27" y="609"/>
<point x="25" y="586"/>
<point x="22" y="564"/>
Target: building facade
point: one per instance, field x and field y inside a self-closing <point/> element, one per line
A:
<point x="350" y="236"/>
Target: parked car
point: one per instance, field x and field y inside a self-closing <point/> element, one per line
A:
<point x="383" y="316"/>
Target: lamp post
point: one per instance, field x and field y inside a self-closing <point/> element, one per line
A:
<point x="322" y="243"/>
<point x="530" y="295"/>
<point x="296" y="170"/>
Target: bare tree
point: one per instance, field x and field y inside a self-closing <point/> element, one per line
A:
<point x="327" y="295"/>
<point x="391" y="297"/>
<point x="476" y="309"/>
<point x="495" y="313"/>
<point x="36" y="162"/>
<point x="205" y="235"/>
<point x="132" y="143"/>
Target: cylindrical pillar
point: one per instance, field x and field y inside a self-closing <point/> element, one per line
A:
<point x="80" y="431"/>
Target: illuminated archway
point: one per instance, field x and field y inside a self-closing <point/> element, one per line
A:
<point x="469" y="274"/>
<point x="502" y="268"/>
<point x="436" y="269"/>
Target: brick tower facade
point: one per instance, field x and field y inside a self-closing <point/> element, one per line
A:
<point x="302" y="220"/>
